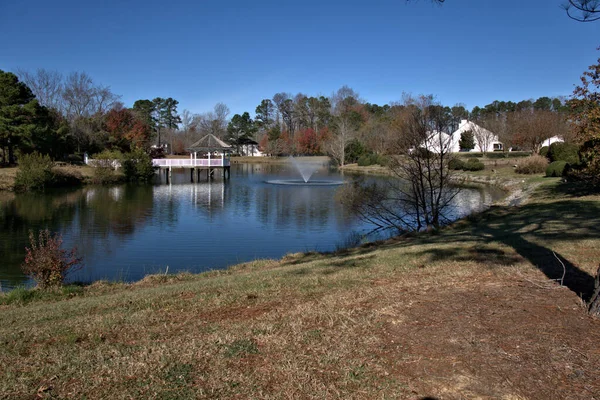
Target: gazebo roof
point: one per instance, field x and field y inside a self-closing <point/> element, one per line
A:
<point x="209" y="142"/>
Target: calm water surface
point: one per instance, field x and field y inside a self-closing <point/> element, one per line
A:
<point x="126" y="232"/>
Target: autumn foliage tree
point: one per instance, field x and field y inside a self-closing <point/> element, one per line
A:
<point x="126" y="130"/>
<point x="585" y="115"/>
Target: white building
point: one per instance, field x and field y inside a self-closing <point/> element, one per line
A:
<point x="487" y="139"/>
<point x="553" y="139"/>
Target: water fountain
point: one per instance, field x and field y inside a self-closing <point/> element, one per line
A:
<point x="306" y="170"/>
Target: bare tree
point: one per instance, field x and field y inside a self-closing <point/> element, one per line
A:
<point x="579" y="10"/>
<point x="83" y="99"/>
<point x="583" y="10"/>
<point x="346" y="121"/>
<point x="531" y="128"/>
<point x="484" y="137"/>
<point x="214" y="122"/>
<point x="422" y="194"/>
<point x="46" y="85"/>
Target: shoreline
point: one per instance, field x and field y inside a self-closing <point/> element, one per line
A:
<point x="514" y="196"/>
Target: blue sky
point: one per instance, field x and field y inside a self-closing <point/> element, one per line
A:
<point x="235" y="52"/>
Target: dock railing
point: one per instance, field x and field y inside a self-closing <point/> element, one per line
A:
<point x="190" y="163"/>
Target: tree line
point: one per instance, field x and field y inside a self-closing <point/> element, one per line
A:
<point x="57" y="115"/>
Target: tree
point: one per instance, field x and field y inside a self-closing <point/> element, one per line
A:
<point x="83" y="99"/>
<point x="530" y="129"/>
<point x="144" y="109"/>
<point x="18" y="108"/>
<point x="240" y="127"/>
<point x="467" y="141"/>
<point x="543" y="103"/>
<point x="345" y="123"/>
<point x="419" y="158"/>
<point x="484" y="137"/>
<point x="579" y="10"/>
<point x="583" y="10"/>
<point x="265" y="114"/>
<point x="47" y="86"/>
<point x="585" y="114"/>
<point x="158" y="105"/>
<point x="212" y="122"/>
<point x="126" y="130"/>
<point x="170" y="117"/>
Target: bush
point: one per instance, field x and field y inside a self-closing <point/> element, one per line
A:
<point x="137" y="166"/>
<point x="473" y="164"/>
<point x="456" y="164"/>
<point x="372" y="159"/>
<point x="35" y="173"/>
<point x="556" y="168"/>
<point x="534" y="164"/>
<point x="497" y="154"/>
<point x="354" y="151"/>
<point x="75" y="159"/>
<point x="508" y="154"/>
<point x="105" y="165"/>
<point x="564" y="152"/>
<point x="544" y="151"/>
<point x="46" y="262"/>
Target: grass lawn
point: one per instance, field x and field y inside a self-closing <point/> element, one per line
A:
<point x="472" y="312"/>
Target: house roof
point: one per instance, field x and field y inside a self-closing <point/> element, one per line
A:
<point x="209" y="142"/>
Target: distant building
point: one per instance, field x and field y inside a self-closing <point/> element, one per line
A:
<point x="553" y="139"/>
<point x="249" y="147"/>
<point x="493" y="143"/>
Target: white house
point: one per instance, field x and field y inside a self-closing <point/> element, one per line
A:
<point x="249" y="147"/>
<point x="439" y="142"/>
<point x="485" y="141"/>
<point x="553" y="139"/>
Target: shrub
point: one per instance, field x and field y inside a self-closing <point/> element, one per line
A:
<point x="46" y="262"/>
<point x="75" y="159"/>
<point x="534" y="164"/>
<point x="35" y="173"/>
<point x="471" y="154"/>
<point x="564" y="152"/>
<point x="372" y="159"/>
<point x="354" y="151"/>
<point x="456" y="164"/>
<point x="137" y="166"/>
<point x="556" y="168"/>
<point x="508" y="154"/>
<point x="498" y="154"/>
<point x="590" y="160"/>
<point x="473" y="164"/>
<point x="105" y="165"/>
<point x="544" y="151"/>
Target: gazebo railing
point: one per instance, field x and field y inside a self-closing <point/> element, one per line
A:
<point x="190" y="163"/>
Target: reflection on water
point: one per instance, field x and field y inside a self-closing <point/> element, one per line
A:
<point x="128" y="231"/>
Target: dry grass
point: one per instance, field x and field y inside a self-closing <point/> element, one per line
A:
<point x="469" y="313"/>
<point x="7" y="178"/>
<point x="70" y="174"/>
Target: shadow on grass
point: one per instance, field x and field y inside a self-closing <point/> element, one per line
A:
<point x="530" y="230"/>
<point x="526" y="227"/>
<point x="574" y="189"/>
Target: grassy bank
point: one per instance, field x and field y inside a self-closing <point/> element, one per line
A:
<point x="64" y="173"/>
<point x="473" y="312"/>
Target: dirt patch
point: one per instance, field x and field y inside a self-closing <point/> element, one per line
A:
<point x="498" y="339"/>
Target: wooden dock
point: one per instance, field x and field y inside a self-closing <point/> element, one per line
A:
<point x="195" y="165"/>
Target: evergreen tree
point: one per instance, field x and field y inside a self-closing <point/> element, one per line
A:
<point x="467" y="141"/>
<point x="18" y="110"/>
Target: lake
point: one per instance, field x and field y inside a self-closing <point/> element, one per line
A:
<point x="126" y="232"/>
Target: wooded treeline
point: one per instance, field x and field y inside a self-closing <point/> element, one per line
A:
<point x="65" y="116"/>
